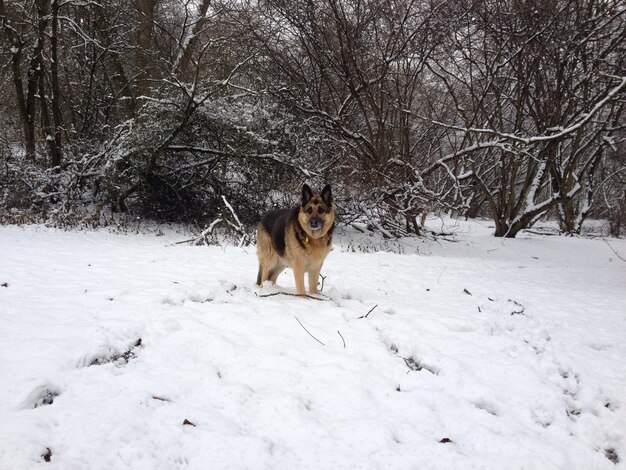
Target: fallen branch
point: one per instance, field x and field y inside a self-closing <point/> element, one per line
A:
<point x="605" y="241"/>
<point x="186" y="241"/>
<point x="344" y="341"/>
<point x="323" y="279"/>
<point x="202" y="238"/>
<point x="539" y="232"/>
<point x="309" y="332"/>
<point x="293" y="295"/>
<point x="154" y="397"/>
<point x="371" y="310"/>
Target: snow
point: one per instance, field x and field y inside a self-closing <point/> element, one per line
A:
<point x="511" y="349"/>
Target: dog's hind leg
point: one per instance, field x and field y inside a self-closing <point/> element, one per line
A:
<point x="264" y="274"/>
<point x="266" y="255"/>
<point x="275" y="272"/>
<point x="259" y="279"/>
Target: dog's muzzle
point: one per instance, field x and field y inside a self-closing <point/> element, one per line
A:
<point x="315" y="223"/>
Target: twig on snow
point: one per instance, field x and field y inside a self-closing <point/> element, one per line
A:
<point x="323" y="279"/>
<point x="538" y="232"/>
<point x="613" y="250"/>
<point x="344" y="341"/>
<point x="203" y="236"/>
<point x="154" y="397"/>
<point x="371" y="310"/>
<point x="293" y="295"/>
<point x="309" y="332"/>
<point x="185" y="241"/>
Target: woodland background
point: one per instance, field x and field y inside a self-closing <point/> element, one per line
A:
<point x="200" y="111"/>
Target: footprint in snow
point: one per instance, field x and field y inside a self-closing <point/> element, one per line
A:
<point x="119" y="359"/>
<point x="413" y="363"/>
<point x="417" y="365"/>
<point x="172" y="302"/>
<point x="612" y="455"/>
<point x="485" y="405"/>
<point x="199" y="298"/>
<point x="542" y="416"/>
<point x="610" y="405"/>
<point x="41" y="396"/>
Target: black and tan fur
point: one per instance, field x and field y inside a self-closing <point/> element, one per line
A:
<point x="299" y="238"/>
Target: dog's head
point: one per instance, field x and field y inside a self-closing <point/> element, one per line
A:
<point x="316" y="214"/>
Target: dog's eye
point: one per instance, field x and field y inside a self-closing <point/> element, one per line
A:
<point x="309" y="210"/>
<point x="321" y="210"/>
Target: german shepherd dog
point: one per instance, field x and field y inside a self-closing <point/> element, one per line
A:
<point x="299" y="238"/>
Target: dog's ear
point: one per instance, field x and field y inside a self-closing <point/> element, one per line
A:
<point x="327" y="195"/>
<point x="307" y="194"/>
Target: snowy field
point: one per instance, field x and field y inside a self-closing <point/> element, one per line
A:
<point x="133" y="352"/>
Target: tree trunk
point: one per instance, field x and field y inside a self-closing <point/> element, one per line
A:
<point x="188" y="46"/>
<point x="120" y="83"/>
<point x="145" y="10"/>
<point x="35" y="69"/>
<point x="53" y="151"/>
<point x="26" y="119"/>
<point x="617" y="216"/>
<point x="57" y="153"/>
<point x="566" y="215"/>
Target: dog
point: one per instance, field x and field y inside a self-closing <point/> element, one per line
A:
<point x="299" y="238"/>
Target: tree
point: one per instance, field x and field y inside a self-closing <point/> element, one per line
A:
<point x="537" y="94"/>
<point x="355" y="66"/>
<point x="512" y="109"/>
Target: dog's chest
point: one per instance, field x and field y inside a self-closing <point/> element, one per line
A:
<point x="310" y="252"/>
<point x="316" y="251"/>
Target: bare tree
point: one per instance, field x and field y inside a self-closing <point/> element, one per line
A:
<point x="355" y="66"/>
<point x="511" y="108"/>
<point x="16" y="33"/>
<point x="537" y="95"/>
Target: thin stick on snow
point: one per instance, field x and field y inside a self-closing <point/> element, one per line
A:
<point x="293" y="295"/>
<point x="185" y="241"/>
<point x="344" y="341"/>
<point x="309" y="332"/>
<point x="371" y="310"/>
<point x="202" y="236"/>
<point x="613" y="250"/>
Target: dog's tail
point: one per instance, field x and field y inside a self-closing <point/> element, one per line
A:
<point x="258" y="277"/>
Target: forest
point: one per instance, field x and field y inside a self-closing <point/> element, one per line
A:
<point x="468" y="311"/>
<point x="196" y="111"/>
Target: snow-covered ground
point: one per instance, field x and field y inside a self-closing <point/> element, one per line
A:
<point x="129" y="351"/>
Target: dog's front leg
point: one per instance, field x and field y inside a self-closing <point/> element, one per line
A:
<point x="298" y="274"/>
<point x="314" y="276"/>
